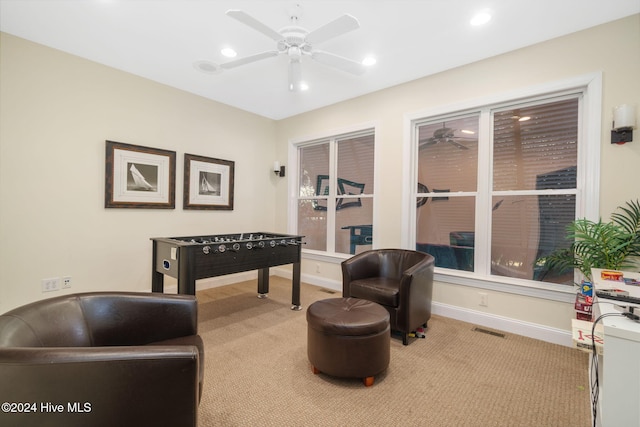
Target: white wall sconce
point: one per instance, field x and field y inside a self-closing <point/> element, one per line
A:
<point x="278" y="170"/>
<point x="624" y="120"/>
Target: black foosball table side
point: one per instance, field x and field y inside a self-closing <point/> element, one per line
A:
<point x="188" y="259"/>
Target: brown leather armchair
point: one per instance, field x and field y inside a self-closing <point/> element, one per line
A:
<point x="102" y="359"/>
<point x="400" y="280"/>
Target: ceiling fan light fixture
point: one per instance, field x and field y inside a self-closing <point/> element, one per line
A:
<point x="295" y="53"/>
<point x="295" y="76"/>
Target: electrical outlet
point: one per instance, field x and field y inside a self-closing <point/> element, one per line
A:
<point x="52" y="284"/>
<point x="484" y="299"/>
<point x="66" y="282"/>
<point x="317" y="268"/>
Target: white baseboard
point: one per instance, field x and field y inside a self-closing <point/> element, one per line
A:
<point x="334" y="285"/>
<point x="501" y="323"/>
<point x="505" y="324"/>
<point x="214" y="282"/>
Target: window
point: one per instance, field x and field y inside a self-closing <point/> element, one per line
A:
<point x="497" y="185"/>
<point x="447" y="190"/>
<point x="534" y="186"/>
<point x="335" y="197"/>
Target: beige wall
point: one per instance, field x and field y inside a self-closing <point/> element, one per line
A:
<point x="600" y="49"/>
<point x="56" y="111"/>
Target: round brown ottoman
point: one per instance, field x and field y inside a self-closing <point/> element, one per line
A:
<point x="348" y="337"/>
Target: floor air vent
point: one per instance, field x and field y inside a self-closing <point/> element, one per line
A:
<point x="488" y="332"/>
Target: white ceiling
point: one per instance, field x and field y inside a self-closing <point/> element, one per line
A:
<point x="162" y="39"/>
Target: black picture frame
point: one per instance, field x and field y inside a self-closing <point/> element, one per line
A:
<point x="139" y="177"/>
<point x="208" y="183"/>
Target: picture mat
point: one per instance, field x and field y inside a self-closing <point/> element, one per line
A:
<point x="199" y="197"/>
<point x="122" y="161"/>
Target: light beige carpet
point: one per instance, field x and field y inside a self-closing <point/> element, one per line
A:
<point x="257" y="372"/>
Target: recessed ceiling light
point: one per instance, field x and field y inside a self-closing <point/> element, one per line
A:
<point x="303" y="86"/>
<point x="369" y="61"/>
<point x="206" y="66"/>
<point x="467" y="131"/>
<point x="228" y="52"/>
<point x="524" y="118"/>
<point x="480" y="18"/>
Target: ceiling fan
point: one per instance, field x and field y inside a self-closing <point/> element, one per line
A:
<point x="445" y="134"/>
<point x="296" y="42"/>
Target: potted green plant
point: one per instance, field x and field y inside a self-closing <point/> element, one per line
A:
<point x="612" y="245"/>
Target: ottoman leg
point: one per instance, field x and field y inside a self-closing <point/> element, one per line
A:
<point x="315" y="370"/>
<point x="368" y="381"/>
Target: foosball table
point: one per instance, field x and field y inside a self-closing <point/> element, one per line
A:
<point x="188" y="259"/>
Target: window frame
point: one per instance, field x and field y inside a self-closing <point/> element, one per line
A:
<point x="294" y="197"/>
<point x="587" y="192"/>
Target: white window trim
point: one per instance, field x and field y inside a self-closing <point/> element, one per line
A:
<point x="588" y="156"/>
<point x="294" y="173"/>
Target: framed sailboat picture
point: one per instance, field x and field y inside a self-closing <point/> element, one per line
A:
<point x="139" y="177"/>
<point x="208" y="183"/>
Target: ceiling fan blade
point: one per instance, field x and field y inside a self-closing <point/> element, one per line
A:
<point x="249" y="59"/>
<point x="457" y="144"/>
<point x="426" y="142"/>
<point x="295" y="75"/>
<point x="337" y="27"/>
<point x="252" y="22"/>
<point x="336" y="61"/>
<point x="443" y="132"/>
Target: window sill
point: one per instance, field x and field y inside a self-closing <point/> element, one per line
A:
<point x="527" y="288"/>
<point x="332" y="258"/>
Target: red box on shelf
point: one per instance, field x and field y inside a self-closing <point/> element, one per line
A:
<point x="583" y="306"/>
